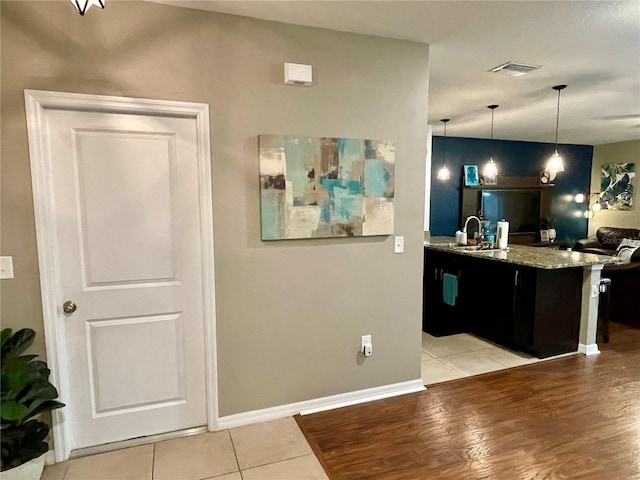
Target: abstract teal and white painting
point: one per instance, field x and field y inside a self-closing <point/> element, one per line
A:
<point x="616" y="186"/>
<point x="318" y="187"/>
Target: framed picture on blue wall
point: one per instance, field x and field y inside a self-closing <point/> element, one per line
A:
<point x="490" y="179"/>
<point x="471" y="178"/>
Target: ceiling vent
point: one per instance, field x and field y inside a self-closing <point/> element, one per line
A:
<point x="514" y="69"/>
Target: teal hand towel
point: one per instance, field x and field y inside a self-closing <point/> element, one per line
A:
<point x="449" y="289"/>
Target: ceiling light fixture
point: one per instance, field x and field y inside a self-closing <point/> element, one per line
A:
<point x="83" y="5"/>
<point x="443" y="173"/>
<point x="555" y="163"/>
<point x="490" y="169"/>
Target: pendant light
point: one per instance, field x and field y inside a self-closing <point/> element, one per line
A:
<point x="490" y="168"/>
<point x="555" y="163"/>
<point x="83" y="5"/>
<point x="443" y="173"/>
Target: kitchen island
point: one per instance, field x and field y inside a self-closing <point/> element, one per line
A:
<point x="538" y="300"/>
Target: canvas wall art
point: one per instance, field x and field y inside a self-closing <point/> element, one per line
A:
<point x="318" y="187"/>
<point x="616" y="186"/>
<point x="471" y="177"/>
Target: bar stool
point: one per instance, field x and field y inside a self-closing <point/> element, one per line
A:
<point x="604" y="308"/>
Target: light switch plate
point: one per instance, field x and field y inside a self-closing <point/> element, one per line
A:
<point x="6" y="267"/>
<point x="398" y="245"/>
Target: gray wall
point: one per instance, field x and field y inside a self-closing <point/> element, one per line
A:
<point x="290" y="314"/>
<point x="620" y="152"/>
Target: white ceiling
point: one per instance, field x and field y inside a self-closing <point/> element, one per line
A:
<point x="592" y="46"/>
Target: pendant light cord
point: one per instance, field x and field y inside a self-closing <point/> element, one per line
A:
<point x="492" y="110"/>
<point x="557" y="118"/>
<point x="444" y="156"/>
<point x="559" y="88"/>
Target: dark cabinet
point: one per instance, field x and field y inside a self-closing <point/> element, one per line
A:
<point x="548" y="307"/>
<point x="522" y="308"/>
<point x="494" y="298"/>
<point x="439" y="318"/>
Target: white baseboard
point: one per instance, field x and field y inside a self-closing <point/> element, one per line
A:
<point x="320" y="404"/>
<point x="50" y="459"/>
<point x="591" y="349"/>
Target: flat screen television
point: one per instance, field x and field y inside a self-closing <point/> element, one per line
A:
<point x="521" y="208"/>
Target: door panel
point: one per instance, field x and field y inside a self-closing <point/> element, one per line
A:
<point x="108" y="366"/>
<point x="128" y="240"/>
<point x="111" y="166"/>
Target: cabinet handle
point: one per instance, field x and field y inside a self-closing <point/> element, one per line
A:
<point x="435" y="273"/>
<point x="516" y="278"/>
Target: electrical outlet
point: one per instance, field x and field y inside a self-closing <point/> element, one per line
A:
<point x="367" y="347"/>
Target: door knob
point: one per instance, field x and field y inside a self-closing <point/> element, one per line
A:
<point x="69" y="306"/>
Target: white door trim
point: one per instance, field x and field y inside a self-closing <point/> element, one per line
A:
<point x="36" y="102"/>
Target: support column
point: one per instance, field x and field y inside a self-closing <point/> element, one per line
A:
<point x="589" y="312"/>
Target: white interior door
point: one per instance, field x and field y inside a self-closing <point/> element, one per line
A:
<point x="125" y="202"/>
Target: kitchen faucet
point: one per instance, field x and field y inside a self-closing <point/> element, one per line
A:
<point x="480" y="235"/>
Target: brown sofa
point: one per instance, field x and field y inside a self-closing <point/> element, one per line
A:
<point x="625" y="277"/>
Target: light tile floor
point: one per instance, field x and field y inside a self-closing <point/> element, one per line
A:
<point x="462" y="355"/>
<point x="275" y="450"/>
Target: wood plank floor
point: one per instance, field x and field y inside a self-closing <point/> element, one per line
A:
<point x="572" y="418"/>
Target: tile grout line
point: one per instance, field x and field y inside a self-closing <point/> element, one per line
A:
<point x="66" y="470"/>
<point x="310" y="454"/>
<point x="528" y="362"/>
<point x="504" y="367"/>
<point x="153" y="462"/>
<point x="235" y="453"/>
<point x="465" y="374"/>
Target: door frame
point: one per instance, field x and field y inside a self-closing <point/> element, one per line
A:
<point x="36" y="102"/>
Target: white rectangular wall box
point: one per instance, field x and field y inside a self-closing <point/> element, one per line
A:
<point x="6" y="267"/>
<point x="298" y="74"/>
<point x="398" y="245"/>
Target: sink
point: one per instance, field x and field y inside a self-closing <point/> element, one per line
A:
<point x="475" y="248"/>
<point x="455" y="246"/>
<point x="464" y="248"/>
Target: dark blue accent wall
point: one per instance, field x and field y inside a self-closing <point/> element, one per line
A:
<point x="514" y="159"/>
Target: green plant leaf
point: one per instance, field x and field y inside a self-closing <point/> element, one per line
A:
<point x="4" y="336"/>
<point x="17" y="343"/>
<point x="41" y="390"/>
<point x="15" y="374"/>
<point x="26" y="392"/>
<point x="35" y="430"/>
<point x="23" y="443"/>
<point x="38" y="370"/>
<point x="40" y="407"/>
<point x="12" y="410"/>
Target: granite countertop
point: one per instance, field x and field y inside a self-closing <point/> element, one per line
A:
<point x="538" y="257"/>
